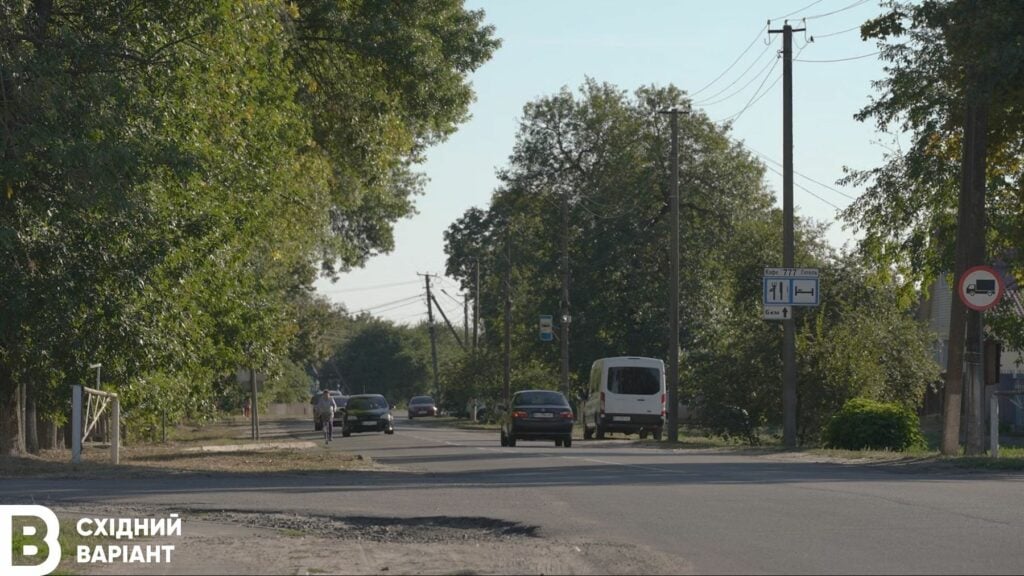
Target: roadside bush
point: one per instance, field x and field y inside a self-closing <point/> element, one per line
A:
<point x="867" y="424"/>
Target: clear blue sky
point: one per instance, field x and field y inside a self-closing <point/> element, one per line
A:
<point x="548" y="44"/>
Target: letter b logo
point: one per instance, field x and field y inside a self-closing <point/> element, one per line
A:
<point x="29" y="540"/>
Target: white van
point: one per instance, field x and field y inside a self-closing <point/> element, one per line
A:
<point x="627" y="395"/>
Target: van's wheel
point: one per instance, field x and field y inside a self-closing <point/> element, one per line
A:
<point x="346" y="433"/>
<point x="558" y="443"/>
<point x="588" y="433"/>
<point x="567" y="442"/>
<point x="656" y="434"/>
<point x="643" y="434"/>
<point x="512" y="441"/>
<point x="600" y="432"/>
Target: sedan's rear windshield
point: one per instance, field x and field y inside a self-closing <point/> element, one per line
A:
<point x="422" y="400"/>
<point x="366" y="403"/>
<point x="540" y="398"/>
<point x="634" y="380"/>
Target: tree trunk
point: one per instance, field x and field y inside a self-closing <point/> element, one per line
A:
<point x="12" y="440"/>
<point x="31" y="432"/>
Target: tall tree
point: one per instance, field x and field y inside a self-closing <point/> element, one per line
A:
<point x="173" y="174"/>
<point x="953" y="198"/>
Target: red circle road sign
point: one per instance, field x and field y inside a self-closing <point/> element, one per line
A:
<point x="980" y="288"/>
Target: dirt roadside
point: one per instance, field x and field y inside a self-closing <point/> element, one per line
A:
<point x="246" y="542"/>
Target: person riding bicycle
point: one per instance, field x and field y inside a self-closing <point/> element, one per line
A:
<point x="325" y="407"/>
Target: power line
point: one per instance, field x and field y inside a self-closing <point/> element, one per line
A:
<point x="706" y="101"/>
<point x="738" y="58"/>
<point x="397" y="307"/>
<point x="333" y="291"/>
<point x="843" y="9"/>
<point x="756" y="97"/>
<point x="385" y="304"/>
<point x="837" y="191"/>
<point x="857" y="27"/>
<point x="453" y="298"/>
<point x="811" y="5"/>
<point x="805" y="189"/>
<point x="839" y="59"/>
<point x="755" y="100"/>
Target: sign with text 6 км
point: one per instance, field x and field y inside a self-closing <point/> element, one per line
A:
<point x="784" y="288"/>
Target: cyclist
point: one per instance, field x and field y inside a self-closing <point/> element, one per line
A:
<point x="325" y="407"/>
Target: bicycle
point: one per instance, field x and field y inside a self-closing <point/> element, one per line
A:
<point x="327" y="423"/>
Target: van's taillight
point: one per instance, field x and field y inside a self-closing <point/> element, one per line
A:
<point x="566" y="415"/>
<point x="662" y="404"/>
<point x="517" y="414"/>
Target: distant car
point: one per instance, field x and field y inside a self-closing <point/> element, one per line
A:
<point x="367" y="413"/>
<point x="537" y="415"/>
<point x="339" y="399"/>
<point x="422" y="406"/>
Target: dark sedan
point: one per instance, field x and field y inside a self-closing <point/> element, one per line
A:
<point x="422" y="406"/>
<point x="367" y="413"/>
<point x="537" y="415"/>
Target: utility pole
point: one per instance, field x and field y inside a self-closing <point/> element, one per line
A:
<point x="789" y="324"/>
<point x="476" y="303"/>
<point x="465" y="319"/>
<point x="508" y="318"/>
<point x="566" y="317"/>
<point x="433" y="336"/>
<point x="254" y="410"/>
<point x="672" y="378"/>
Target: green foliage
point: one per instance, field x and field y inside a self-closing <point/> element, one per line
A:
<point x="867" y="424"/>
<point x="861" y="342"/>
<point x="172" y="175"/>
<point x="603" y="150"/>
<point x="939" y="54"/>
<point x="472" y="376"/>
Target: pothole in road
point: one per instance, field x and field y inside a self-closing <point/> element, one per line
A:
<point x="419" y="530"/>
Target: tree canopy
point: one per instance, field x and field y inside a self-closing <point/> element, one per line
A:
<point x="174" y="175"/>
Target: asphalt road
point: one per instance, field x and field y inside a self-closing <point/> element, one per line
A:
<point x="690" y="510"/>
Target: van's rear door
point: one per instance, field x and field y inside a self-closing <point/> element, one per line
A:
<point x="634" y="390"/>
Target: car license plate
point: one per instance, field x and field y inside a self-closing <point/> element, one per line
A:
<point x="543" y="415"/>
<point x="620" y="418"/>
<point x="369" y="422"/>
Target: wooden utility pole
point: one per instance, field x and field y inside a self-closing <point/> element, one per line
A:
<point x="966" y="325"/>
<point x="672" y="375"/>
<point x="789" y="399"/>
<point x="566" y="316"/>
<point x="433" y="336"/>
<point x="254" y="410"/>
<point x="476" y="304"/>
<point x="507" y="380"/>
